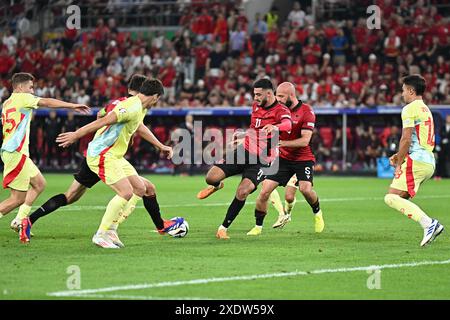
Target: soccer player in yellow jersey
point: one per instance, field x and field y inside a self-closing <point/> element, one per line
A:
<point x="20" y="173"/>
<point x="105" y="154"/>
<point x="414" y="162"/>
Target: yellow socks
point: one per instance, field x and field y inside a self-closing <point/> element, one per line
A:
<point x="408" y="208"/>
<point x="129" y="208"/>
<point x="289" y="206"/>
<point x="276" y="201"/>
<point x="24" y="211"/>
<point x="115" y="206"/>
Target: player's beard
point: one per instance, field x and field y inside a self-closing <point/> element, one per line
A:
<point x="263" y="103"/>
<point x="288" y="103"/>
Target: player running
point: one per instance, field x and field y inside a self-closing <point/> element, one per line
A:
<point x="267" y="116"/>
<point x="296" y="160"/>
<point x="20" y="173"/>
<point x="105" y="154"/>
<point x="85" y="178"/>
<point x="414" y="162"/>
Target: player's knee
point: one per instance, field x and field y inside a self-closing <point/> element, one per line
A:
<point x="242" y="193"/>
<point x="40" y="185"/>
<point x="390" y="198"/>
<point x="289" y="197"/>
<point x="305" y="189"/>
<point x="150" y="189"/>
<point x="127" y="195"/>
<point x="264" y="195"/>
<point x="211" y="179"/>
<point x="139" y="190"/>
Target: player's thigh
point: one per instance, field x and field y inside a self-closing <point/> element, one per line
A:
<point x="38" y="181"/>
<point x="85" y="176"/>
<point x="304" y="172"/>
<point x="109" y="169"/>
<point x="18" y="170"/>
<point x="122" y="188"/>
<point x="267" y="187"/>
<point x="138" y="185"/>
<point x="411" y="175"/>
<point x="283" y="174"/>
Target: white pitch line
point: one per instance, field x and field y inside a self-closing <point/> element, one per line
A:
<point x="75" y="293"/>
<point x="221" y="204"/>
<point x="131" y="297"/>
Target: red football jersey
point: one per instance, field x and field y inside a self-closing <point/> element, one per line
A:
<point x="256" y="141"/>
<point x="303" y="118"/>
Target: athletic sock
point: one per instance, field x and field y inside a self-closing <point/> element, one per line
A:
<point x="129" y="208"/>
<point x="288" y="206"/>
<point x="51" y="205"/>
<point x="233" y="210"/>
<point x="1" y="215"/>
<point x="24" y="211"/>
<point x="152" y="207"/>
<point x="276" y="202"/>
<point x="112" y="212"/>
<point x="408" y="208"/>
<point x="259" y="216"/>
<point x="315" y="207"/>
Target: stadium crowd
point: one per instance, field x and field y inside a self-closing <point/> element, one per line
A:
<point x="217" y="52"/>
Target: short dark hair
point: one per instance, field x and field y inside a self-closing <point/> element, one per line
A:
<point x="263" y="83"/>
<point x="136" y="82"/>
<point x="152" y="86"/>
<point x="21" y="77"/>
<point x="417" y="82"/>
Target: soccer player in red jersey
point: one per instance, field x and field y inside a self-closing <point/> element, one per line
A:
<point x="267" y="116"/>
<point x="296" y="158"/>
<point x="85" y="178"/>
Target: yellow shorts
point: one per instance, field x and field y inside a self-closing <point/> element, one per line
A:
<point x="412" y="174"/>
<point x="18" y="170"/>
<point x="292" y="182"/>
<point x="109" y="169"/>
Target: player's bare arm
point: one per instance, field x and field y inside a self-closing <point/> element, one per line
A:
<point x="148" y="136"/>
<point x="67" y="138"/>
<point x="55" y="103"/>
<point x="301" y="142"/>
<point x="405" y="143"/>
<point x="284" y="126"/>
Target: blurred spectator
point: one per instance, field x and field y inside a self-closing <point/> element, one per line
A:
<point x="297" y="16"/>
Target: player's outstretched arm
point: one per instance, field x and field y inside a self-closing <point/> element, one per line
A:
<point x="301" y="142"/>
<point x="55" y="103"/>
<point x="67" y="138"/>
<point x="148" y="136"/>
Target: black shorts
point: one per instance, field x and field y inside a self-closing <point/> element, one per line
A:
<point x="303" y="169"/>
<point x="249" y="170"/>
<point x="85" y="176"/>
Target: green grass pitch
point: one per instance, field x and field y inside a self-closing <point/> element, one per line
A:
<point x="293" y="263"/>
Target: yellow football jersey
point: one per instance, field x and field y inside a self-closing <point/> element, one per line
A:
<point x="417" y="115"/>
<point x="16" y="117"/>
<point x="114" y="139"/>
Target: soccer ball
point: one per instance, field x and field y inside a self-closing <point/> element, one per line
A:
<point x="180" y="228"/>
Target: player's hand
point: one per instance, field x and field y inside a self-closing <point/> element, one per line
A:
<point x="393" y="160"/>
<point x="82" y="108"/>
<point x="66" y="139"/>
<point x="269" y="128"/>
<point x="168" y="151"/>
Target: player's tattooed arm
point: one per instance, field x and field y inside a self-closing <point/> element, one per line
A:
<point x="67" y="138"/>
<point x="148" y="136"/>
<point x="405" y="143"/>
<point x="301" y="142"/>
